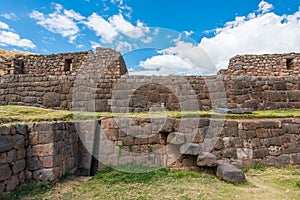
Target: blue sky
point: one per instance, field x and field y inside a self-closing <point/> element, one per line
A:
<point x="155" y="36"/>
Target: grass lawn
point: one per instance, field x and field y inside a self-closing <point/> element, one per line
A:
<point x="263" y="183"/>
<point x="12" y="114"/>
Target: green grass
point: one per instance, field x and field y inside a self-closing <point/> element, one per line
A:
<point x="10" y="114"/>
<point x="270" y="183"/>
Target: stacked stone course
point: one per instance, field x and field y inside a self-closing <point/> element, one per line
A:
<point x="69" y="92"/>
<point x="264" y="65"/>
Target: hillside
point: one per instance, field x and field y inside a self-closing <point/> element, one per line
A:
<point x="5" y="54"/>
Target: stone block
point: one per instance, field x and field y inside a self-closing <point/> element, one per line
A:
<point x="280" y="85"/>
<point x="21" y="129"/>
<point x="5" y="172"/>
<point x="33" y="138"/>
<point x="284" y="159"/>
<point x="294" y="96"/>
<point x="206" y="159"/>
<point x="290" y="128"/>
<point x="11" y="156"/>
<point x="18" y="166"/>
<point x="168" y="127"/>
<point x="33" y="163"/>
<point x="176" y="138"/>
<point x="19" y="141"/>
<point x="230" y="173"/>
<point x="21" y="154"/>
<point x="51" y="99"/>
<point x="4" y="130"/>
<point x="12" y="183"/>
<point x="2" y="187"/>
<point x="43" y="149"/>
<point x="21" y="177"/>
<point x="28" y="175"/>
<point x="244" y="153"/>
<point x="190" y="149"/>
<point x="45" y="175"/>
<point x="260" y="153"/>
<point x="6" y="143"/>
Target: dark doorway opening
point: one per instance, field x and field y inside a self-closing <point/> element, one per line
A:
<point x="68" y="65"/>
<point x="289" y="64"/>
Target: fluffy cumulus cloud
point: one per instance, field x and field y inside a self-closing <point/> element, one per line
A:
<point x="182" y="59"/>
<point x="259" y="32"/>
<point x="264" y="7"/>
<point x="102" y="28"/>
<point x="126" y="28"/>
<point x="166" y="64"/>
<point x="114" y="26"/>
<point x="61" y="21"/>
<point x="9" y="38"/>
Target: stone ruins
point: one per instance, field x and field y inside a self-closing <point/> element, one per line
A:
<point x="88" y="81"/>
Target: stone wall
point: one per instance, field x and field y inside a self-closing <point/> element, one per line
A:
<point x="47" y="151"/>
<point x="39" y="152"/>
<point x="142" y="93"/>
<point x="103" y="62"/>
<point x="270" y="142"/>
<point x="264" y="65"/>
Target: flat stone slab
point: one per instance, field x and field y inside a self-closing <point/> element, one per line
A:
<point x="176" y="138"/>
<point x="230" y="173"/>
<point x="190" y="149"/>
<point x="206" y="159"/>
<point x="234" y="111"/>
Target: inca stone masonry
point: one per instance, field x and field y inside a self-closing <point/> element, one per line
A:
<point x="90" y="81"/>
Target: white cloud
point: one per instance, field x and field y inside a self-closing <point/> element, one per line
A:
<point x="79" y="46"/>
<point x="124" y="47"/>
<point x="256" y="33"/>
<point x="73" y="15"/>
<point x="265" y="7"/>
<point x="182" y="59"/>
<point x="115" y="26"/>
<point x="11" y="16"/>
<point x="102" y="28"/>
<point x="188" y="33"/>
<point x="126" y="28"/>
<point x="61" y="21"/>
<point x="95" y="44"/>
<point x="167" y="65"/>
<point x="147" y="40"/>
<point x="8" y="38"/>
<point x="3" y="25"/>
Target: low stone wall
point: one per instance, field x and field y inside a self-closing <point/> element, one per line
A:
<point x="39" y="152"/>
<point x="270" y="142"/>
<point x="47" y="151"/>
<point x="12" y="157"/>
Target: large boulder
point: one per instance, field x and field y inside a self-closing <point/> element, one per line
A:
<point x="230" y="173"/>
